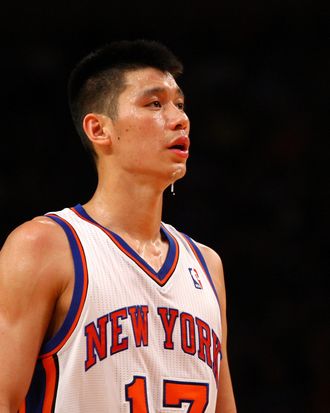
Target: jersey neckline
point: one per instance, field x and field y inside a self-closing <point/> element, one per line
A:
<point x="169" y="265"/>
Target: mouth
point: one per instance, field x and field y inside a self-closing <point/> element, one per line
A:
<point x="180" y="146"/>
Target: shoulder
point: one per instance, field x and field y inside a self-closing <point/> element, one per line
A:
<point x="215" y="267"/>
<point x="212" y="258"/>
<point x="33" y="250"/>
<point x="35" y="237"/>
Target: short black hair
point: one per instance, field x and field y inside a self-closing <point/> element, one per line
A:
<point x="97" y="80"/>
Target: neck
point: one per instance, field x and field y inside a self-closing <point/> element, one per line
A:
<point x="130" y="210"/>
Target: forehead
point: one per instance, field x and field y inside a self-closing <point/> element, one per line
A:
<point x="141" y="80"/>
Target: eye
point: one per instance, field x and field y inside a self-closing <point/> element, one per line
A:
<point x="156" y="104"/>
<point x="180" y="105"/>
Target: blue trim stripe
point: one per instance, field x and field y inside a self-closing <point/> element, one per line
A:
<point x="202" y="261"/>
<point x="163" y="272"/>
<point x="77" y="291"/>
<point x="169" y="263"/>
<point x="37" y="400"/>
<point x="36" y="394"/>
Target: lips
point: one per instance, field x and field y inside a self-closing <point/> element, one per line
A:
<point x="180" y="146"/>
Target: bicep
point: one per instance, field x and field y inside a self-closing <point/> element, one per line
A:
<point x="26" y="296"/>
<point x="215" y="268"/>
<point x="225" y="399"/>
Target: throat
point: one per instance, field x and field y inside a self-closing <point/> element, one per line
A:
<point x="154" y="253"/>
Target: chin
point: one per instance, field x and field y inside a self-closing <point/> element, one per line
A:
<point x="178" y="172"/>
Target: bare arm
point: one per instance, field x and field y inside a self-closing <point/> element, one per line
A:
<point x="29" y="290"/>
<point x="226" y="400"/>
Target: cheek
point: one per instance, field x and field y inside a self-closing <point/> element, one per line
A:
<point x="145" y="129"/>
<point x="154" y="121"/>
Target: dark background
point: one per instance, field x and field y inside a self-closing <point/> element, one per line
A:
<point x="257" y="189"/>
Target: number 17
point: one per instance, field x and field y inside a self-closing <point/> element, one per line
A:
<point x="175" y="393"/>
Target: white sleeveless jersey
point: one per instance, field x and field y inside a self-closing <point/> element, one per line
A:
<point x="134" y="340"/>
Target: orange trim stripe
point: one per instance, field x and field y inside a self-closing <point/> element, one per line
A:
<point x="176" y="258"/>
<point x="198" y="259"/>
<point x="196" y="255"/>
<point x="84" y="293"/>
<point x="140" y="264"/>
<point x="209" y="277"/>
<point x="51" y="384"/>
<point x="22" y="409"/>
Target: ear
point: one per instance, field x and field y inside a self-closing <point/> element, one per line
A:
<point x="98" y="129"/>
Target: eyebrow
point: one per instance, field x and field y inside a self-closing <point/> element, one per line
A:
<point x="159" y="90"/>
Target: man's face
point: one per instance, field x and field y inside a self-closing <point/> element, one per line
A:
<point x="151" y="130"/>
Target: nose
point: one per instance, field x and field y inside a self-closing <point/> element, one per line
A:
<point x="178" y="119"/>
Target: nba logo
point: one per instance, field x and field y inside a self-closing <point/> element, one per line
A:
<point x="195" y="278"/>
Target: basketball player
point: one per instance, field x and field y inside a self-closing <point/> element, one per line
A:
<point x="104" y="308"/>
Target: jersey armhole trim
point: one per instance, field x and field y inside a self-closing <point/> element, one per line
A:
<point x="200" y="258"/>
<point x="53" y="345"/>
